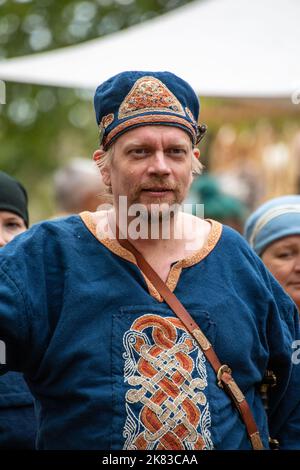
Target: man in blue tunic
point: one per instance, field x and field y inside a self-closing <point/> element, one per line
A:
<point x="109" y="363"/>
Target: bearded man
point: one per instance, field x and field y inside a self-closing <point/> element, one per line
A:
<point x="88" y="309"/>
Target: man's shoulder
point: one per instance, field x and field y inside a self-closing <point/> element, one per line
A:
<point x="229" y="239"/>
<point x="55" y="225"/>
<point x="53" y="228"/>
<point x="42" y="239"/>
<point x="231" y="233"/>
<point x="244" y="258"/>
<point x="237" y="251"/>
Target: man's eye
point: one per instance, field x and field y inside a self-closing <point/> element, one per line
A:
<point x="176" y="151"/>
<point x="139" y="152"/>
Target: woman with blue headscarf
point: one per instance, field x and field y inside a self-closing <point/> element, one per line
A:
<point x="273" y="231"/>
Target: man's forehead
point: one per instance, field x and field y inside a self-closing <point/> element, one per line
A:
<point x="153" y="134"/>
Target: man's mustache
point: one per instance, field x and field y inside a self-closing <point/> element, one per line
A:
<point x="157" y="186"/>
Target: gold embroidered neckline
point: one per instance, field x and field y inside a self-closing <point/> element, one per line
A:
<point x="175" y="271"/>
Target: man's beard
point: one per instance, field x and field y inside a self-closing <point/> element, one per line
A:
<point x="140" y="191"/>
<point x="159" y="208"/>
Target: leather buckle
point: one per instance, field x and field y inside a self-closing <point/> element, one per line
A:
<point x="274" y="444"/>
<point x="222" y="369"/>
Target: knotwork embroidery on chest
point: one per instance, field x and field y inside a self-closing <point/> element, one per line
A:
<point x="166" y="405"/>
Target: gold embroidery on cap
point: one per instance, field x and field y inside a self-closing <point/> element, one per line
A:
<point x="149" y="94"/>
<point x="107" y="120"/>
<point x="190" y="114"/>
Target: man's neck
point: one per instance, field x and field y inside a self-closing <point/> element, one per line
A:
<point x="173" y="239"/>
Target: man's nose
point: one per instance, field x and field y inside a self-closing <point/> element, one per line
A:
<point x="159" y="164"/>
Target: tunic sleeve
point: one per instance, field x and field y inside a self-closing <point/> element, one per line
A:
<point x="14" y="326"/>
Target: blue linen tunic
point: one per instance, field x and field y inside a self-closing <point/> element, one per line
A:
<point x="17" y="418"/>
<point x="111" y="366"/>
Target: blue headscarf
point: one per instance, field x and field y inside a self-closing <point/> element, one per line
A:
<point x="277" y="218"/>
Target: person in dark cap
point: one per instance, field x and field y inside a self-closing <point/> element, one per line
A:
<point x="273" y="231"/>
<point x="13" y="208"/>
<point x="17" y="418"/>
<point x="88" y="312"/>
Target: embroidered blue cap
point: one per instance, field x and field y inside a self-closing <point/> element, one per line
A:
<point x="275" y="219"/>
<point x="134" y="98"/>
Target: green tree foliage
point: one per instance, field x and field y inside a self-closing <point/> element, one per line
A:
<point x="42" y="127"/>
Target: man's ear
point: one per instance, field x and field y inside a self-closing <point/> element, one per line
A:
<point x="105" y="172"/>
<point x="98" y="154"/>
<point x="196" y="152"/>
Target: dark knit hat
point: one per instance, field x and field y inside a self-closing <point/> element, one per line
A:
<point x="13" y="197"/>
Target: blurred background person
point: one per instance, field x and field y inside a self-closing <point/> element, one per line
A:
<point x="224" y="208"/>
<point x="273" y="231"/>
<point x="17" y="418"/>
<point x="78" y="187"/>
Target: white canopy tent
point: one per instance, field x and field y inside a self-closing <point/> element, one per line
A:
<point x="228" y="48"/>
